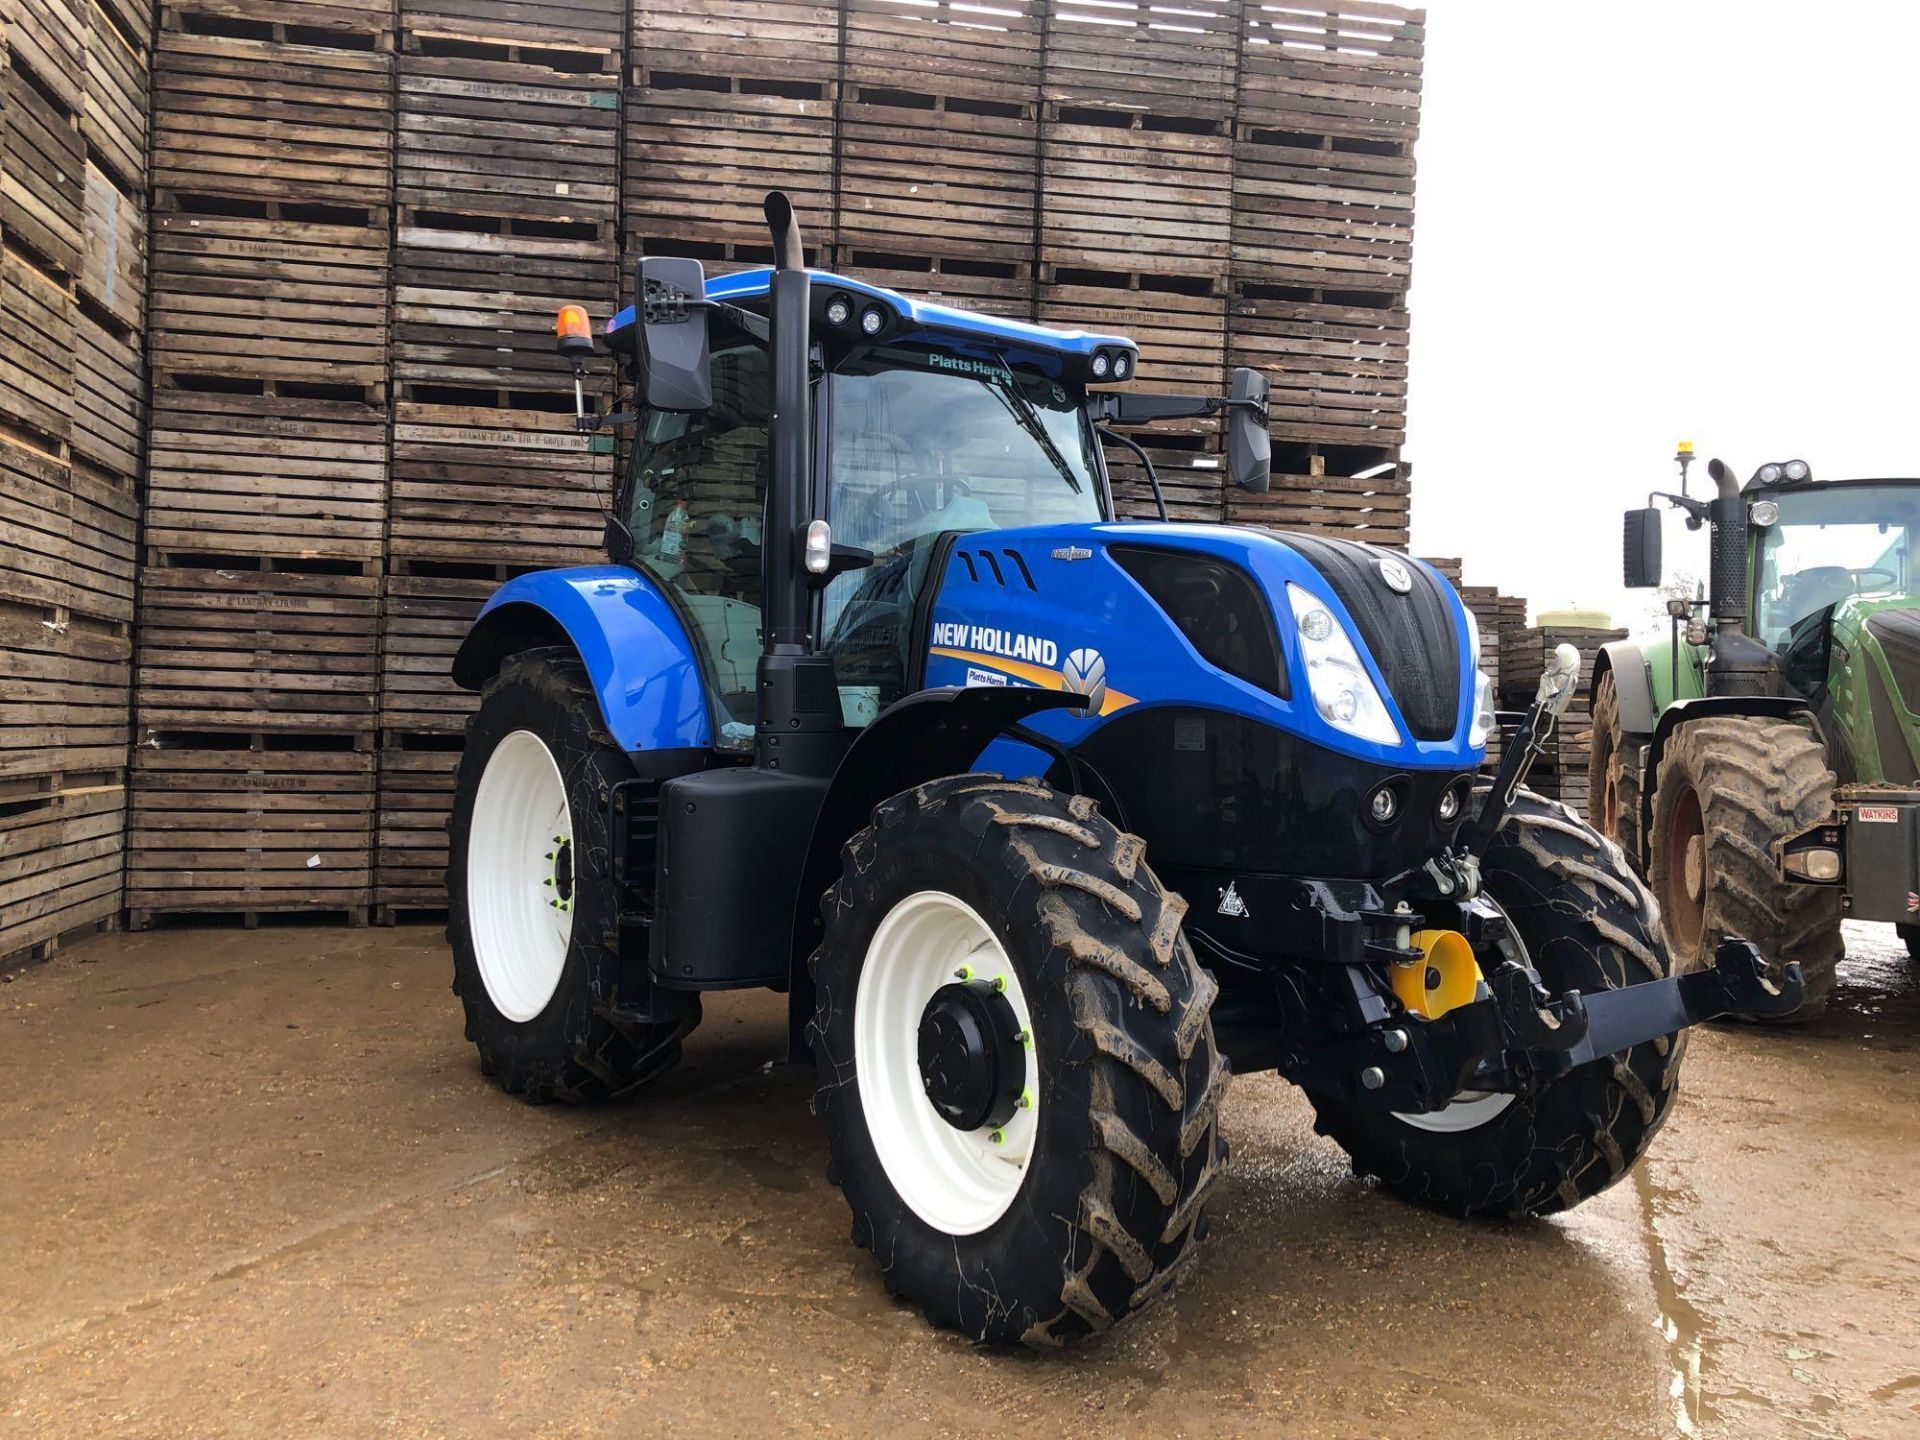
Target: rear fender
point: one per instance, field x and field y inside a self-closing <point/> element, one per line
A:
<point x="637" y="652"/>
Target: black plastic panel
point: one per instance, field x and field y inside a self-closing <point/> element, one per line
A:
<point x="1217" y="607"/>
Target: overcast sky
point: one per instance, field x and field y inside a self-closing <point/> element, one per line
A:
<point x="1639" y="223"/>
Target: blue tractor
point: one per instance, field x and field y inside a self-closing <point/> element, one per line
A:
<point x="876" y="704"/>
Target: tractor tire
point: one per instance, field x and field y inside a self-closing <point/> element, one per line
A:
<point x="1728" y="789"/>
<point x="533" y="913"/>
<point x="1588" y="924"/>
<point x="1087" y="1202"/>
<point x="1613" y="776"/>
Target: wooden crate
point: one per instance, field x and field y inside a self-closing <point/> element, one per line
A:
<point x="369" y="22"/>
<point x="109" y="397"/>
<point x="423" y="619"/>
<point x="703" y="150"/>
<point x="1135" y="193"/>
<point x="946" y="47"/>
<point x="508" y="487"/>
<point x="42" y="167"/>
<point x="225" y="649"/>
<point x="474" y="307"/>
<point x="1373" y="510"/>
<point x="1349" y="69"/>
<point x="256" y="298"/>
<point x="1322" y="212"/>
<point x="272" y="120"/>
<point x="113" y="120"/>
<point x="1338" y="372"/>
<point x="410" y="847"/>
<point x="251" y="828"/>
<point x="38" y="309"/>
<point x="789" y="40"/>
<point x="1182" y="334"/>
<point x="113" y="257"/>
<point x="492" y="134"/>
<point x="252" y="475"/>
<point x="950" y="175"/>
<point x="60" y="865"/>
<point x="63" y="710"/>
<point x="1174" y="60"/>
<point x="994" y="287"/>
<point x="67" y="537"/>
<point x="594" y="27"/>
<point x="50" y="38"/>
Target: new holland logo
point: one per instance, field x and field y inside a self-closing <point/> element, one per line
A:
<point x="1231" y="905"/>
<point x="1399" y="579"/>
<point x="1085" y="673"/>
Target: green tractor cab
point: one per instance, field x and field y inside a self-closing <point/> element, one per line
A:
<point x="1760" y="763"/>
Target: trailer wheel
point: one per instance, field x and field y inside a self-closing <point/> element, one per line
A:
<point x="1016" y="1059"/>
<point x="1728" y="789"/>
<point x="533" y="914"/>
<point x="1588" y="924"/>
<point x="1613" y="775"/>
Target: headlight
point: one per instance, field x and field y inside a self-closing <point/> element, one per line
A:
<point x="871" y="320"/>
<point x="1101" y="364"/>
<point x="1122" y="365"/>
<point x="1769" y="474"/>
<point x="1483" y="719"/>
<point x="1342" y="691"/>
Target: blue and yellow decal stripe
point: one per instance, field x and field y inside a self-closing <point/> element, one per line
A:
<point x="1032" y="674"/>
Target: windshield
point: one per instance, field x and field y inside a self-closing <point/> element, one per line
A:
<point x="924" y="441"/>
<point x="1830" y="544"/>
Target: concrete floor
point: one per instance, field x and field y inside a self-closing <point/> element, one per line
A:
<point x="252" y="1184"/>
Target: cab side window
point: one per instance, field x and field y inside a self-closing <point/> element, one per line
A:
<point x="694" y="503"/>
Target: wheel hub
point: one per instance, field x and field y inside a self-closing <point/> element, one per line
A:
<point x="1696" y="868"/>
<point x="972" y="1063"/>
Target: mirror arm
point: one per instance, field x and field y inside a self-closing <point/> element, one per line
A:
<point x="1153" y="476"/>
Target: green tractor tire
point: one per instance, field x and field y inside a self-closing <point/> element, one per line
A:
<point x="1613" y="776"/>
<point x="1729" y="789"/>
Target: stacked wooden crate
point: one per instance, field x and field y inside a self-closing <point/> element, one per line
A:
<point x="258" y="678"/>
<point x="1136" y="180"/>
<point x="73" y="177"/>
<point x="1561" y="772"/>
<point x="507" y="188"/>
<point x="1323" y="172"/>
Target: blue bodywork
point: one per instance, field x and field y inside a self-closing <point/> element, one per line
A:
<point x="924" y="318"/>
<point x="644" y="667"/>
<point x="1094" y="603"/>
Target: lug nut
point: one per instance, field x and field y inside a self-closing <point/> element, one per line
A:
<point x="1396" y="1041"/>
<point x="1373" y="1077"/>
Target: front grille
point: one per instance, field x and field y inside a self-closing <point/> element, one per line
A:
<point x="1411" y="637"/>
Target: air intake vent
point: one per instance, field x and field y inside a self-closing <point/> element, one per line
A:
<point x="1217" y="607"/>
<point x="1005" y="567"/>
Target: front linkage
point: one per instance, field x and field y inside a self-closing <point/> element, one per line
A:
<point x="1515" y="1036"/>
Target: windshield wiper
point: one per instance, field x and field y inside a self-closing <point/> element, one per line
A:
<point x="1028" y="419"/>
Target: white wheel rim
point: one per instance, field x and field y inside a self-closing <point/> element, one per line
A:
<point x="958" y="1181"/>
<point x="519" y="866"/>
<point x="1468" y="1110"/>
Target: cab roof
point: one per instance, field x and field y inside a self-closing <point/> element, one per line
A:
<point x="745" y="286"/>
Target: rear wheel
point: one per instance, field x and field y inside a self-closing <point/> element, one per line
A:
<point x="1613" y="775"/>
<point x="1729" y="789"/>
<point x="533" y="913"/>
<point x="1587" y="924"/>
<point x="1017" y="1067"/>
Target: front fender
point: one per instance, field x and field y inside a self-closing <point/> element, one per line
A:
<point x="641" y="661"/>
<point x="1625" y="661"/>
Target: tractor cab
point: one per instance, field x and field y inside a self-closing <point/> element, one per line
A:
<point x="929" y="422"/>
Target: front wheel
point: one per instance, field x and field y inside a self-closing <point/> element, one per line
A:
<point x="1587" y="924"/>
<point x="533" y="912"/>
<point x="1017" y="1066"/>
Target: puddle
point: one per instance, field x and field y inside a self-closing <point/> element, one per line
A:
<point x="1690" y="1344"/>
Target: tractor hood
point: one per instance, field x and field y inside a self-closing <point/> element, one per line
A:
<point x="1874" y="687"/>
<point x="1215" y="618"/>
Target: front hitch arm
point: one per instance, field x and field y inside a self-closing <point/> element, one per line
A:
<point x="1527" y="743"/>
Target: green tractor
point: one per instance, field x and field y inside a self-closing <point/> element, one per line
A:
<point x="1760" y="764"/>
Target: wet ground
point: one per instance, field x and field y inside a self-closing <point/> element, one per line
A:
<point x="254" y="1185"/>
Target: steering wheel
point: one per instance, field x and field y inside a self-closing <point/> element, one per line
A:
<point x="1885" y="575"/>
<point x="919" y="489"/>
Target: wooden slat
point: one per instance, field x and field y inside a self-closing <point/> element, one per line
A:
<point x="109" y="400"/>
<point x="38" y="309"/>
<point x="1134" y="193"/>
<point x="113" y="121"/>
<point x="410" y="846"/>
<point x="422" y="622"/>
<point x="42" y="164"/>
<point x="1174" y="60"/>
<point x="589" y="26"/>
<point x="786" y="40"/>
<point x="113" y="263"/>
<point x="60" y="864"/>
<point x="948" y="47"/>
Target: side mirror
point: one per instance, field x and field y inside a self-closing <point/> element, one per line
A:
<point x="675" y="372"/>
<point x="1249" y="445"/>
<point x="1641" y="553"/>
